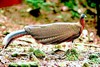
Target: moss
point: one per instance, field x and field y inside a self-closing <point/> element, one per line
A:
<point x="12" y="65"/>
<point x="31" y="49"/>
<point x="72" y="54"/>
<point x="38" y="53"/>
<point x="93" y="56"/>
<point x="14" y="55"/>
<point x="23" y="64"/>
<point x="33" y="64"/>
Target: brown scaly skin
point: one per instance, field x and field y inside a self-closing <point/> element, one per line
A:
<point x="49" y="33"/>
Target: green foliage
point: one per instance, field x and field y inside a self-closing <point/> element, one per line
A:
<point x="14" y="55"/>
<point x="75" y="14"/>
<point x="35" y="4"/>
<point x="72" y="5"/>
<point x="72" y="54"/>
<point x="31" y="49"/>
<point x="38" y="53"/>
<point x="12" y="65"/>
<point x="24" y="64"/>
<point x="91" y="3"/>
<point x="94" y="58"/>
<point x="33" y="64"/>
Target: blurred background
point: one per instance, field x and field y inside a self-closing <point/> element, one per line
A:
<point x="15" y="14"/>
